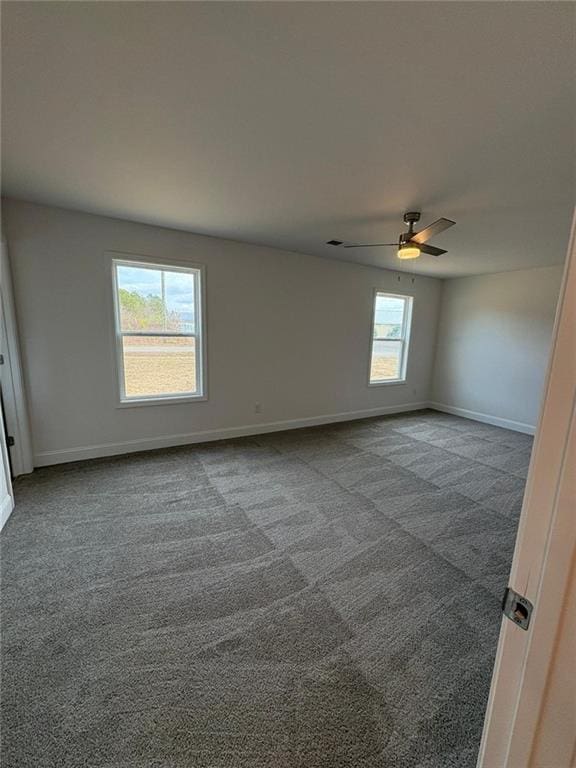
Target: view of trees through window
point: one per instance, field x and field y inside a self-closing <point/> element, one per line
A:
<point x="140" y="313"/>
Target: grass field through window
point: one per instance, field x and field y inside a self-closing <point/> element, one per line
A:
<point x="385" y="363"/>
<point x="159" y="365"/>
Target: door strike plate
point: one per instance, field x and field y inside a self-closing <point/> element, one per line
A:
<point x="517" y="608"/>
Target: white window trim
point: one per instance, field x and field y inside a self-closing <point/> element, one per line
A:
<point x="131" y="259"/>
<point x="404" y="341"/>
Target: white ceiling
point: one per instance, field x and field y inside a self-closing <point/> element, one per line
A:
<point x="288" y="124"/>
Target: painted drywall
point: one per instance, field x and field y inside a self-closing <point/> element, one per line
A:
<point x="494" y="338"/>
<point x="286" y="330"/>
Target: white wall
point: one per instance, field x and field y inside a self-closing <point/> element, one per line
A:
<point x="289" y="331"/>
<point x="493" y="342"/>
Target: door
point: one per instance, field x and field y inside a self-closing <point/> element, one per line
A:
<point x="531" y="715"/>
<point x="6" y="497"/>
<point x="7" y="437"/>
<point x="11" y="375"/>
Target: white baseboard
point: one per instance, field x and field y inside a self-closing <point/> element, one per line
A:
<point x="6" y="507"/>
<point x="496" y="421"/>
<point x="47" y="458"/>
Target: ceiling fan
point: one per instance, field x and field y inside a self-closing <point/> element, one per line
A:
<point x="410" y="244"/>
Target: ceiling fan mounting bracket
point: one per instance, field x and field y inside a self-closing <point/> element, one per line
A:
<point x="411" y="216"/>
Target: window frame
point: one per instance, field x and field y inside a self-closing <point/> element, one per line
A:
<point x="174" y="265"/>
<point x="404" y="341"/>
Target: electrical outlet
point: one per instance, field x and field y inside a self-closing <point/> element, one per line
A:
<point x="257" y="408"/>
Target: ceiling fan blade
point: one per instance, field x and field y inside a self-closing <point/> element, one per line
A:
<point x="430" y="249"/>
<point x="369" y="245"/>
<point x="433" y="229"/>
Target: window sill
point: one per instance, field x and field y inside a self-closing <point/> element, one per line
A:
<point x="177" y="400"/>
<point x="386" y="383"/>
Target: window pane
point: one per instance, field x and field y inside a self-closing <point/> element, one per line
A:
<point x="140" y="299"/>
<point x="180" y="300"/>
<point x="159" y="365"/>
<point x="388" y="317"/>
<point x="385" y="360"/>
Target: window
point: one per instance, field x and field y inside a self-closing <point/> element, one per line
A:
<point x="390" y="336"/>
<point x="159" y="334"/>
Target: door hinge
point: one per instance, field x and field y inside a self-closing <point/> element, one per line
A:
<point x="10" y="441"/>
<point x="517" y="608"/>
<point x="1" y="359"/>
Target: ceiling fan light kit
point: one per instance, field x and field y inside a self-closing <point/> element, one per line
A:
<point x="408" y="251"/>
<point x="410" y="244"/>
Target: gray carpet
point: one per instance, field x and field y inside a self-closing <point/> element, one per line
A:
<point x="325" y="597"/>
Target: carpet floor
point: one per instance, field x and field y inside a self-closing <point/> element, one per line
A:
<point x="318" y="598"/>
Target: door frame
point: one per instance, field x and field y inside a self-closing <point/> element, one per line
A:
<point x="11" y="374"/>
<point x="542" y="565"/>
<point x="6" y="493"/>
